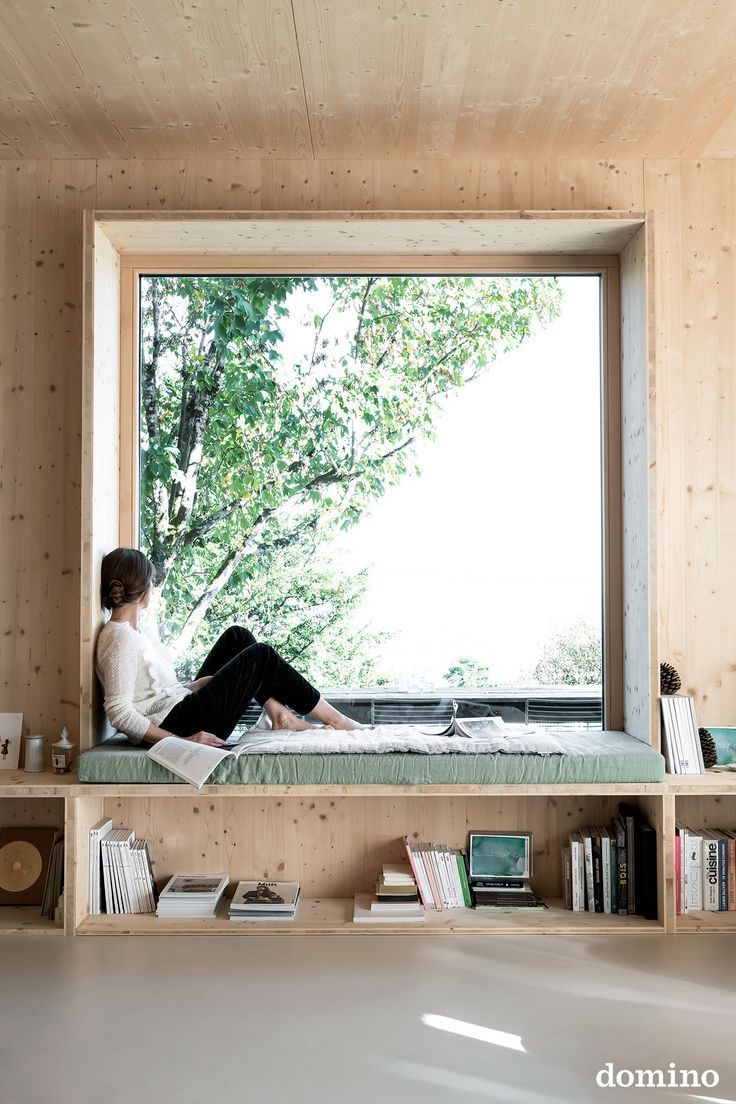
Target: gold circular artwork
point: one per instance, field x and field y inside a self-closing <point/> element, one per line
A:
<point x="20" y="866"/>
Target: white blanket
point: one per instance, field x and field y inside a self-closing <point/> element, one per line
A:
<point x="383" y="739"/>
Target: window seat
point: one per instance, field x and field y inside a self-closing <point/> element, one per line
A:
<point x="589" y="757"/>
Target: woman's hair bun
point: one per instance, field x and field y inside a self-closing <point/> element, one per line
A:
<point x="126" y="576"/>
<point x="117" y="593"/>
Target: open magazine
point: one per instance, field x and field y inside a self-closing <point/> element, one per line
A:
<point x="192" y="762"/>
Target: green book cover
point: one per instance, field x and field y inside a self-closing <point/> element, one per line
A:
<point x="464" y="879"/>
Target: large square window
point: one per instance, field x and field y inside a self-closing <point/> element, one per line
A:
<point x="395" y="480"/>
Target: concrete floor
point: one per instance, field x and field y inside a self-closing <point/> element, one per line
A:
<point x="361" y="1020"/>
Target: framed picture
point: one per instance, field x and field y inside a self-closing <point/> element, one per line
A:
<point x="500" y="854"/>
<point x="11" y="727"/>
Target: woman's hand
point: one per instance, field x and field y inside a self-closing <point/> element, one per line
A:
<point x="199" y="683"/>
<point x="207" y="738"/>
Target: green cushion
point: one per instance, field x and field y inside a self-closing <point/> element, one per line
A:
<point x="589" y="757"/>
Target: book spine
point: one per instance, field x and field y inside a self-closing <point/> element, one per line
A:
<point x="566" y="877"/>
<point x="597" y="873"/>
<point x="606" y="872"/>
<point x="460" y="858"/>
<point x="710" y="874"/>
<point x="622" y="894"/>
<point x="419" y="876"/>
<point x="693" y="845"/>
<point x="441" y="871"/>
<point x="614" y="873"/>
<point x="629" y="823"/>
<point x="731" y="873"/>
<point x="589" y="874"/>
<point x="723" y="874"/>
<point x="452" y="877"/>
<point x="430" y="867"/>
<point x="577" y="863"/>
<point x="678" y="867"/>
<point x="106" y="876"/>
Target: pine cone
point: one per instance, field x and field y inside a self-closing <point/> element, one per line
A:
<point x="669" y="680"/>
<point x="708" y="744"/>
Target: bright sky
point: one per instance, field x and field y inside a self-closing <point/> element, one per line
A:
<point x="498" y="543"/>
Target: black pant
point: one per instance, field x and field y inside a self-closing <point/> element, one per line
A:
<point x="241" y="670"/>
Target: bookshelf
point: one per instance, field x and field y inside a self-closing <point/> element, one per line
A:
<point x="333" y="839"/>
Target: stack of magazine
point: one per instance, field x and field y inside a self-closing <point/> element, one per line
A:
<point x="120" y="871"/>
<point x="192" y="895"/>
<point x="682" y="750"/>
<point x="264" y="901"/>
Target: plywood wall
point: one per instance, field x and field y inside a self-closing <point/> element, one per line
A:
<point x="40" y="361"/>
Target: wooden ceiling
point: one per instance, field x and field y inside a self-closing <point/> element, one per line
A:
<point x="367" y="78"/>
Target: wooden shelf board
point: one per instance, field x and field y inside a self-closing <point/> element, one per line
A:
<point x="17" y="783"/>
<point x="706" y="922"/>
<point x="712" y="782"/>
<point x="333" y="916"/>
<point x="26" y="920"/>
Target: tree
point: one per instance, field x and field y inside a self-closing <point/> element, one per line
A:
<point x="467" y="672"/>
<point x="256" y="448"/>
<point x="572" y="657"/>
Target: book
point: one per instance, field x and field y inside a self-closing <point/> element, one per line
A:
<point x="682" y="749"/>
<point x="362" y="913"/>
<point x="693" y="862"/>
<point x="398" y="874"/>
<point x="257" y="898"/>
<point x="192" y="762"/>
<point x="463" y="871"/>
<point x="731" y="838"/>
<point x="566" y="878"/>
<point x="96" y="897"/>
<point x="587" y="834"/>
<point x="605" y="867"/>
<point x="54" y="877"/>
<point x="622" y="891"/>
<point x="503" y="899"/>
<point x="628" y="818"/>
<point x="711" y="874"/>
<point x="419" y="873"/>
<point x="577" y="871"/>
<point x="191" y="895"/>
<point x="395" y="908"/>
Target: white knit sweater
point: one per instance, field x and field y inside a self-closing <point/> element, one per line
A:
<point x="137" y="676"/>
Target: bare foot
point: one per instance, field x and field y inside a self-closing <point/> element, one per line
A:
<point x="285" y="720"/>
<point x="332" y="718"/>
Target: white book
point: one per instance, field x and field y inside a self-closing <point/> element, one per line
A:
<point x="397" y="874"/>
<point x="96" y="833"/>
<point x="136" y="855"/>
<point x="395" y="906"/>
<point x="130" y="891"/>
<point x="422" y="881"/>
<point x="711" y="872"/>
<point x="577" y="870"/>
<point x="692" y="845"/>
<point x="692" y="762"/>
<point x="362" y="913"/>
<point x="106" y="877"/>
<point x="107" y="844"/>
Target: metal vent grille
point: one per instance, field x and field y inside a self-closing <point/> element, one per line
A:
<point x="564" y="712"/>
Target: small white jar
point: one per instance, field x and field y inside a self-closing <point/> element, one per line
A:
<point x="34" y="753"/>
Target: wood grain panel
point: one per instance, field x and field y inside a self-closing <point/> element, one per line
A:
<point x="304" y="185"/>
<point x="637" y="397"/>
<point x="40" y="357"/>
<point x="694" y="205"/>
<point x="335" y="846"/>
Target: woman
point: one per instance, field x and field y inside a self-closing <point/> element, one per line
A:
<point x="145" y="700"/>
